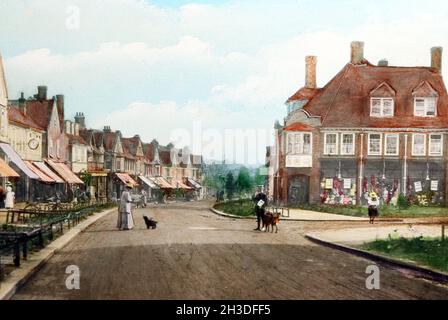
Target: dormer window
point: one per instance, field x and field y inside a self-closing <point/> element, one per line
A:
<point x="381" y="107"/>
<point x="425" y="107"/>
<point x="382" y="101"/>
<point x="425" y="100"/>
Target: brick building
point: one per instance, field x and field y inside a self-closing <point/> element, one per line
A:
<point x="371" y="128"/>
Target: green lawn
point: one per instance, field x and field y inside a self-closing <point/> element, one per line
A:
<point x="243" y="208"/>
<point x="430" y="252"/>
<point x="385" y="211"/>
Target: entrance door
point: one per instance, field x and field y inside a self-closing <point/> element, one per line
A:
<point x="298" y="191"/>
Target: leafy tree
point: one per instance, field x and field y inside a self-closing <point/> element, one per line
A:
<point x="403" y="202"/>
<point x="244" y="181"/>
<point x="230" y="185"/>
<point x="261" y="176"/>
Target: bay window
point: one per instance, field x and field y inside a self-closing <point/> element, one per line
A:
<point x="381" y="107"/>
<point x="348" y="144"/>
<point x="331" y="144"/>
<point x="375" y="140"/>
<point x="391" y="144"/>
<point x="435" y="145"/>
<point x="299" y="143"/>
<point x="425" y="107"/>
<point x="418" y="144"/>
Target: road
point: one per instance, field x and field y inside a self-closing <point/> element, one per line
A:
<point x="194" y="254"/>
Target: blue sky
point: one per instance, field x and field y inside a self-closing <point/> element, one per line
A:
<point x="165" y="68"/>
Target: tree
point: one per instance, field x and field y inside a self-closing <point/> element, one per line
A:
<point x="261" y="176"/>
<point x="244" y="182"/>
<point x="230" y="185"/>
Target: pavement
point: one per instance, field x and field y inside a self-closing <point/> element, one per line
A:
<point x="35" y="261"/>
<point x="196" y="254"/>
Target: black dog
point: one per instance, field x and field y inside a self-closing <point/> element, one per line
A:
<point x="150" y="222"/>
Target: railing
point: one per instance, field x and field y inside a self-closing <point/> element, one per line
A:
<point x="284" y="212"/>
<point x="33" y="229"/>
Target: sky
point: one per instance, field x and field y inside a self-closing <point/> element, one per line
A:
<point x="213" y="75"/>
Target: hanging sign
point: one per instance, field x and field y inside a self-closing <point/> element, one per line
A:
<point x="418" y="186"/>
<point x="347" y="183"/>
<point x="328" y="183"/>
<point x="434" y="185"/>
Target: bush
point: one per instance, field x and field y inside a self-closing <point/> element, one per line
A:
<point x="403" y="202"/>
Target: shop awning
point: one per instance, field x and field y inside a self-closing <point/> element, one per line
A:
<point x="64" y="172"/>
<point x="47" y="171"/>
<point x="42" y="175"/>
<point x="6" y="171"/>
<point x="163" y="183"/>
<point x="17" y="160"/>
<point x="149" y="182"/>
<point x="125" y="178"/>
<point x="194" y="183"/>
<point x="181" y="185"/>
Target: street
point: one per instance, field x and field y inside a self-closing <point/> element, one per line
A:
<point x="194" y="254"/>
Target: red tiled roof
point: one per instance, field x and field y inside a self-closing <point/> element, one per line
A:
<point x="304" y="94"/>
<point x="73" y="139"/>
<point x="130" y="146"/>
<point x="345" y="100"/>
<point x="40" y="111"/>
<point x="18" y="117"/>
<point x="109" y="140"/>
<point x="165" y="156"/>
<point x="299" y="127"/>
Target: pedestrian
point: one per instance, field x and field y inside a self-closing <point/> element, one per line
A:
<point x="125" y="219"/>
<point x="261" y="201"/>
<point x="10" y="197"/>
<point x="144" y="198"/>
<point x="373" y="204"/>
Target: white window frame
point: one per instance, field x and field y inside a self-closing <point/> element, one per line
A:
<point x="397" y="150"/>
<point x="342" y="144"/>
<point x="425" y="115"/>
<point x="369" y="152"/>
<point x="441" y="144"/>
<point x="294" y="147"/>
<point x="381" y="115"/>
<point x="424" y="144"/>
<point x="325" y="144"/>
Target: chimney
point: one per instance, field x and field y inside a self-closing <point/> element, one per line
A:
<point x="436" y="58"/>
<point x="22" y="103"/>
<point x="310" y="75"/>
<point x="383" y="63"/>
<point x="80" y="119"/>
<point x="357" y="53"/>
<point x="42" y="92"/>
<point x="107" y="129"/>
<point x="60" y="104"/>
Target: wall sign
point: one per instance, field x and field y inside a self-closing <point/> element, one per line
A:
<point x="434" y="185"/>
<point x="347" y="183"/>
<point x="328" y="183"/>
<point x="299" y="161"/>
<point x="418" y="186"/>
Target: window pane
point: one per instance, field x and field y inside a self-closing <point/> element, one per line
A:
<point x="419" y="107"/>
<point x="388" y="107"/>
<point x="430" y="106"/>
<point x="347" y="144"/>
<point x="307" y="143"/>
<point x="419" y="144"/>
<point x="391" y="145"/>
<point x="435" y="144"/>
<point x="376" y="108"/>
<point x="375" y="144"/>
<point x="331" y="143"/>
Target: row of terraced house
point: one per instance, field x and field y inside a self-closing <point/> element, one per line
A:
<point x="43" y="154"/>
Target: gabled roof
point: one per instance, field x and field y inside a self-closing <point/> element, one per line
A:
<point x="299" y="127"/>
<point x="110" y="140"/>
<point x="74" y="139"/>
<point x="40" y="111"/>
<point x="151" y="152"/>
<point x="19" y="118"/>
<point x="304" y="94"/>
<point x="165" y="155"/>
<point x="345" y="100"/>
<point x="130" y="147"/>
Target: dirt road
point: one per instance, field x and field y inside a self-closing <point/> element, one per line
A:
<point x="195" y="254"/>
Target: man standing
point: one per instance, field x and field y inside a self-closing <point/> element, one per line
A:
<point x="125" y="219"/>
<point x="261" y="201"/>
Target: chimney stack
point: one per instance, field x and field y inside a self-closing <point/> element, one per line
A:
<point x="383" y="63"/>
<point x="42" y="92"/>
<point x="107" y="129"/>
<point x="22" y="103"/>
<point x="80" y="119"/>
<point x="436" y="58"/>
<point x="357" y="52"/>
<point x="310" y="75"/>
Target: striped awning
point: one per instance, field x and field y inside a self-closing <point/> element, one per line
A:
<point x="47" y="171"/>
<point x="64" y="172"/>
<point x="194" y="183"/>
<point x="180" y="185"/>
<point x="163" y="183"/>
<point x="6" y="171"/>
<point x="149" y="182"/>
<point x="125" y="178"/>
<point x="15" y="158"/>
<point x="42" y="175"/>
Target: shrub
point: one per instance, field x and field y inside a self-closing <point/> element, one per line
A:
<point x="403" y="202"/>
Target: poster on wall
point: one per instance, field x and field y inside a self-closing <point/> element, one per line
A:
<point x="328" y="183"/>
<point x="434" y="185"/>
<point x="347" y="183"/>
<point x="418" y="186"/>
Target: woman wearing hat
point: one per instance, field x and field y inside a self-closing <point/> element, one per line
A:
<point x="125" y="219"/>
<point x="373" y="203"/>
<point x="10" y="196"/>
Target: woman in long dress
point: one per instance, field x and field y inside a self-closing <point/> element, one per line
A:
<point x="10" y="197"/>
<point x="125" y="219"/>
